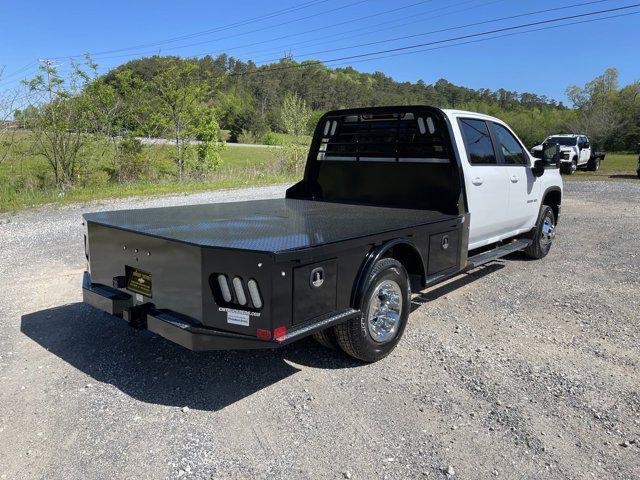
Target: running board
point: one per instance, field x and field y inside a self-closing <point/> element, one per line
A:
<point x="499" y="252"/>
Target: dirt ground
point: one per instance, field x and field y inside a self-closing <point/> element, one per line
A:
<point x="519" y="370"/>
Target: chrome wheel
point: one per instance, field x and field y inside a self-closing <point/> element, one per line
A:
<point x="548" y="232"/>
<point x="383" y="314"/>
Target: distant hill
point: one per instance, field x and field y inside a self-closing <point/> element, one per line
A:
<point x="249" y="97"/>
<point x="326" y="88"/>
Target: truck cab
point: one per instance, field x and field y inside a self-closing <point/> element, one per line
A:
<point x="503" y="193"/>
<point x="393" y="200"/>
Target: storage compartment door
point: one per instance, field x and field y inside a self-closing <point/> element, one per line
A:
<point x="443" y="251"/>
<point x="314" y="290"/>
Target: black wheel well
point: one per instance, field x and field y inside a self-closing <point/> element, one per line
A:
<point x="399" y="249"/>
<point x="411" y="260"/>
<point x="553" y="199"/>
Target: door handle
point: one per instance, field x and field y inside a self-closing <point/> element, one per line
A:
<point x="477" y="181"/>
<point x="514" y="179"/>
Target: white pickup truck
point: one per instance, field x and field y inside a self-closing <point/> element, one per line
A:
<point x="393" y="200"/>
<point x="577" y="152"/>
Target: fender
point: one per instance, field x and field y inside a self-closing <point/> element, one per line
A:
<point x="552" y="190"/>
<point x="360" y="286"/>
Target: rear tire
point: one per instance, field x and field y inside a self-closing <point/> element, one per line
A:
<point x="594" y="165"/>
<point x="385" y="311"/>
<point x="543" y="235"/>
<point x="327" y="338"/>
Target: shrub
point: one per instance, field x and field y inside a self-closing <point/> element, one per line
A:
<point x="130" y="162"/>
<point x="271" y="138"/>
<point x="292" y="158"/>
<point x="246" y="136"/>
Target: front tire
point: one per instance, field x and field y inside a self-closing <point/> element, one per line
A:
<point x="543" y="235"/>
<point x="569" y="168"/>
<point x="385" y="311"/>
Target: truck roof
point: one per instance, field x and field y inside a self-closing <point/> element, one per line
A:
<point x="467" y="113"/>
<point x="270" y="226"/>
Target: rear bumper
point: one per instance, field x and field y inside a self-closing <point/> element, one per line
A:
<point x="186" y="331"/>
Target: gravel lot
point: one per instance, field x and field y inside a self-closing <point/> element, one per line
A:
<point x="521" y="369"/>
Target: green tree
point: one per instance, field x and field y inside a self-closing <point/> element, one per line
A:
<point x="294" y="114"/>
<point x="609" y="115"/>
<point x="206" y="152"/>
<point x="178" y="98"/>
<point x="9" y="100"/>
<point x="61" y="118"/>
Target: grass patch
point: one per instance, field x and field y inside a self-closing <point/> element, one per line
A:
<point x="616" y="166"/>
<point x="35" y="198"/>
<point x="26" y="180"/>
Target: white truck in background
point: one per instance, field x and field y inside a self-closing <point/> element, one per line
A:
<point x="577" y="152"/>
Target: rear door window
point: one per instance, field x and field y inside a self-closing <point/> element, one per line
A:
<point x="477" y="141"/>
<point x="512" y="151"/>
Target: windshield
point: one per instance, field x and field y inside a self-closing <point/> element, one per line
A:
<point x="564" y="141"/>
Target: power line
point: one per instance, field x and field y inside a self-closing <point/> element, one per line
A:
<point x="440" y="47"/>
<point x="475" y="24"/>
<point x="269" y="27"/>
<point x="26" y="67"/>
<point x="369" y="28"/>
<point x="302" y="6"/>
<point x="366" y="17"/>
<point x="436" y="42"/>
<point x="259" y="18"/>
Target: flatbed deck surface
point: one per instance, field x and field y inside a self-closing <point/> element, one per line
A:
<point x="265" y="225"/>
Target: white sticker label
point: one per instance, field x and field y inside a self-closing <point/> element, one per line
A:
<point x="139" y="297"/>
<point x="238" y="318"/>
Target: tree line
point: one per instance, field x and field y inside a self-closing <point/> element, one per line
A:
<point x="194" y="102"/>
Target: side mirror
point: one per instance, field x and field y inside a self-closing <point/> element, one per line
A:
<point x="551" y="155"/>
<point x="537" y="153"/>
<point x="538" y="168"/>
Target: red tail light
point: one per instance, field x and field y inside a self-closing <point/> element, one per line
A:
<point x="263" y="334"/>
<point x="280" y="333"/>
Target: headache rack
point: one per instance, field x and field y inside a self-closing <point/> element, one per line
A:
<point x="384" y="137"/>
<point x="402" y="157"/>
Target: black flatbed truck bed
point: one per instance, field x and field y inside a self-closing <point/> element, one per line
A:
<point x="276" y="242"/>
<point x="276" y="226"/>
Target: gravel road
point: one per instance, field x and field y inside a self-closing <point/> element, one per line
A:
<point x="519" y="370"/>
